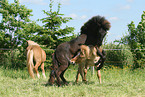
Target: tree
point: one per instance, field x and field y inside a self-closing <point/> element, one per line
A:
<point x="15" y="27"/>
<point x="51" y="34"/>
<point x="135" y="39"/>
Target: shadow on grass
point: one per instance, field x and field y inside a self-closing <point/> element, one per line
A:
<point x="69" y="83"/>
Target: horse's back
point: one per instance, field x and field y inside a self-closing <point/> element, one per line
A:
<point x="62" y="49"/>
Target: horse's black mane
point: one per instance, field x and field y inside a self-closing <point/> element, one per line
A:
<point x="92" y="25"/>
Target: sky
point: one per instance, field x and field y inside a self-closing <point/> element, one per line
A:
<point x="118" y="12"/>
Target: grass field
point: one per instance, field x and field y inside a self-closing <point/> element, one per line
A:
<point x="115" y="83"/>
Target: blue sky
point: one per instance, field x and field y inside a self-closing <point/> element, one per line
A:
<point x="119" y="12"/>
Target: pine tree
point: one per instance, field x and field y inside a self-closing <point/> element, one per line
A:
<point x="51" y="34"/>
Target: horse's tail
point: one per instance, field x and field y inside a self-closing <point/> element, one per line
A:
<point x="55" y="61"/>
<point x="30" y="64"/>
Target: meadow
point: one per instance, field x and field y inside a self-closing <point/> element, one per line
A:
<point x="116" y="82"/>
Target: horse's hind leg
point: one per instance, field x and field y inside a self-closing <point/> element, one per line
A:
<point x="62" y="77"/>
<point x="99" y="75"/>
<point x="85" y="74"/>
<point x="58" y="72"/>
<point x="77" y="76"/>
<point x="43" y="71"/>
<point x="36" y="68"/>
<point x="52" y="77"/>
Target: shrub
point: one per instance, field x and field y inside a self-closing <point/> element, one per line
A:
<point x="118" y="55"/>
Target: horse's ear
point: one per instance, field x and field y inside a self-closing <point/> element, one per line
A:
<point x="106" y="24"/>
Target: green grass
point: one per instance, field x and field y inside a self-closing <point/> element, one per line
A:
<point x="115" y="83"/>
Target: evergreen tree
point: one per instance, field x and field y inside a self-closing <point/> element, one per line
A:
<point x="51" y="34"/>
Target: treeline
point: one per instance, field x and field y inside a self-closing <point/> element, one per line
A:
<point x="16" y="27"/>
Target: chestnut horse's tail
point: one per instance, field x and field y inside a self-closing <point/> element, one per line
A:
<point x="30" y="64"/>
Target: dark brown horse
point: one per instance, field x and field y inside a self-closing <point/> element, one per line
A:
<point x="92" y="33"/>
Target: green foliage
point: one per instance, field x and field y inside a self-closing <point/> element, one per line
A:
<point x="51" y="32"/>
<point x="15" y="24"/>
<point x="16" y="27"/>
<point x="119" y="55"/>
<point x="135" y="39"/>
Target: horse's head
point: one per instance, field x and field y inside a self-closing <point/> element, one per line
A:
<point x="96" y="28"/>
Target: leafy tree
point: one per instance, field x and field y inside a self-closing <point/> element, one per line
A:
<point x="136" y="40"/>
<point x="15" y="27"/>
<point x="51" y="34"/>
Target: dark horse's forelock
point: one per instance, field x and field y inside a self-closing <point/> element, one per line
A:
<point x="92" y="26"/>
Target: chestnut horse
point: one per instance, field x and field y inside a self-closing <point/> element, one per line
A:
<point x="36" y="53"/>
<point x="92" y="33"/>
<point x="87" y="57"/>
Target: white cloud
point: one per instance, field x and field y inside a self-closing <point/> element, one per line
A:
<point x="73" y="15"/>
<point x="130" y="0"/>
<point x="39" y="2"/>
<point x="83" y="17"/>
<point x="63" y="2"/>
<point x="126" y="7"/>
<point x="76" y="17"/>
<point x="113" y="18"/>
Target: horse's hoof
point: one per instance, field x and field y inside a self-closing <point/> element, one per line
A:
<point x="76" y="82"/>
<point x="85" y="81"/>
<point x="66" y="83"/>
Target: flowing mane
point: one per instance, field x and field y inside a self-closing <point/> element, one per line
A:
<point x="92" y="25"/>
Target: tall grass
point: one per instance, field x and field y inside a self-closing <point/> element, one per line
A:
<point x="115" y="83"/>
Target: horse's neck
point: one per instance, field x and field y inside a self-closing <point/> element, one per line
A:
<point x="82" y="38"/>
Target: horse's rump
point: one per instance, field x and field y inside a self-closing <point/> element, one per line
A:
<point x="39" y="53"/>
